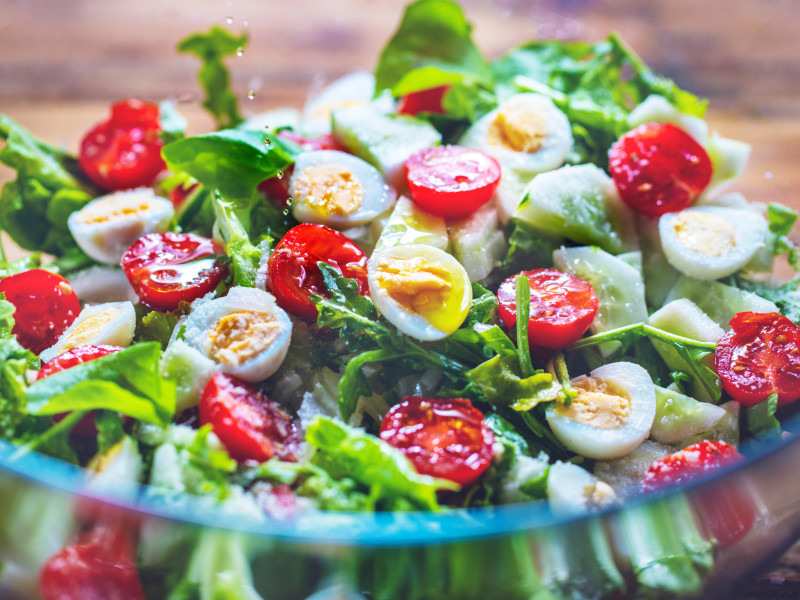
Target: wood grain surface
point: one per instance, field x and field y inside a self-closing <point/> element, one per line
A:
<point x="62" y="61"/>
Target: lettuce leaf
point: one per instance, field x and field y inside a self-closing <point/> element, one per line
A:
<point x="126" y="382"/>
<point x="431" y="47"/>
<point x="48" y="188"/>
<point x="346" y="452"/>
<point x="786" y="296"/>
<point x="760" y="421"/>
<point x="214" y="78"/>
<point x="781" y="220"/>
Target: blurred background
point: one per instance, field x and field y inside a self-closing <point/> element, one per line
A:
<point x="62" y="62"/>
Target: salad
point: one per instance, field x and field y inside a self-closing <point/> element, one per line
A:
<point x="449" y="284"/>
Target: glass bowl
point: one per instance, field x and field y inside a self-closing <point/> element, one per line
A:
<point x="62" y="63"/>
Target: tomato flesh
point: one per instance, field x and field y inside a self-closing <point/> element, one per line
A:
<point x="659" y="168"/>
<point x="180" y="193"/>
<point x="451" y="181"/>
<point x="423" y="101"/>
<point x="166" y="269"/>
<point x="46" y="305"/>
<point x="443" y="437"/>
<point x="100" y="565"/>
<point x="758" y="357"/>
<point x="562" y="307"/>
<point x="293" y="274"/>
<point x="690" y="463"/>
<point x="124" y="151"/>
<point x="250" y="425"/>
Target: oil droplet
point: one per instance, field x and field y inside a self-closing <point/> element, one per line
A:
<point x="251" y="94"/>
<point x="229" y="20"/>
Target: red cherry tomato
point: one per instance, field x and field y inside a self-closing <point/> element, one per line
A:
<point x="758" y="357"/>
<point x="100" y="565"/>
<point x="424" y="101"/>
<point x="659" y="168"/>
<point x="562" y="307"/>
<point x="277" y="188"/>
<point x="180" y="193"/>
<point x="250" y="425"/>
<point x="45" y="306"/>
<point x="167" y="268"/>
<point x="73" y="357"/>
<point x="451" y="181"/>
<point x="125" y="151"/>
<point x="292" y="272"/>
<point x="690" y="463"/>
<point x="445" y="438"/>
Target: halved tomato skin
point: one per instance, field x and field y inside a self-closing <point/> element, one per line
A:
<point x="292" y="271"/>
<point x="562" y="307"/>
<point x="424" y="101"/>
<point x="758" y="357"/>
<point x="443" y="437"/>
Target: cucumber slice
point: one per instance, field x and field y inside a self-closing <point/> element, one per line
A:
<point x="409" y="225"/>
<point x="478" y="243"/>
<point x="679" y="417"/>
<point x="580" y="204"/>
<point x="383" y="140"/>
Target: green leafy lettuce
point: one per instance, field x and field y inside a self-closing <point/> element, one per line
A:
<point x="48" y="188"/>
<point x="211" y="48"/>
<point x="786" y="296"/>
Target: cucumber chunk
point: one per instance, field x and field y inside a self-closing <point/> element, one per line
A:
<point x="679" y="417"/>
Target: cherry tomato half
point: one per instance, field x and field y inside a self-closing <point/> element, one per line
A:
<point x="562" y="307"/>
<point x="690" y="463"/>
<point x="277" y="188"/>
<point x="45" y="306"/>
<point x="125" y="151"/>
<point x="445" y="438"/>
<point x="98" y="566"/>
<point x="250" y="425"/>
<point x="292" y="272"/>
<point x="659" y="168"/>
<point x="167" y="268"/>
<point x="423" y="101"/>
<point x="451" y="181"/>
<point x="758" y="357"/>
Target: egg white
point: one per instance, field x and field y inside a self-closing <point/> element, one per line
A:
<point x="108" y="225"/>
<point x="622" y="378"/>
<point x="91" y="328"/>
<point x="201" y="322"/>
<point x="377" y="196"/>
<point x="409" y="321"/>
<point x="555" y="147"/>
<point x="748" y="228"/>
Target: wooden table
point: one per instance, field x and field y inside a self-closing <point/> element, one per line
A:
<point x="62" y="62"/>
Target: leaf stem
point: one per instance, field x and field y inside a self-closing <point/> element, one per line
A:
<point x="523" y="315"/>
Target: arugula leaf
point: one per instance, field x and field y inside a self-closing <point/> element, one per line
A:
<point x="596" y="85"/>
<point x="346" y="452"/>
<point x="49" y="187"/>
<point x="499" y="383"/>
<point x="431" y="47"/>
<point x="214" y="78"/>
<point x="232" y="161"/>
<point x="484" y="306"/>
<point x="127" y="382"/>
<point x="154" y="326"/>
<point x="781" y="220"/>
<point x="786" y="296"/>
<point x="529" y="246"/>
<point x="760" y="421"/>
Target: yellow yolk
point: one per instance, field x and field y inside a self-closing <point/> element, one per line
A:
<point x="518" y="128"/>
<point x="425" y="288"/>
<point x="597" y="405"/>
<point x="704" y="233"/>
<point x="86" y="331"/>
<point x="329" y="189"/>
<point x="239" y="336"/>
<point x="113" y="209"/>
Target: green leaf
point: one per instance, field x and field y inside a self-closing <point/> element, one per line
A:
<point x="14" y="363"/>
<point x="760" y="421"/>
<point x="48" y="188"/>
<point x="154" y="326"/>
<point x="786" y="296"/>
<point x="126" y="382"/>
<point x="214" y="78"/>
<point x="432" y="47"/>
<point x="781" y="220"/>
<point x="500" y="383"/>
<point x="245" y="257"/>
<point x="109" y="430"/>
<point x="523" y="302"/>
<point x="528" y="246"/>
<point x="7" y="311"/>
<point x="346" y="452"/>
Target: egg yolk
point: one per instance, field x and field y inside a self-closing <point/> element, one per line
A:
<point x="87" y="330"/>
<point x="112" y="209"/>
<point x="241" y="335"/>
<point x="597" y="405"/>
<point x="329" y="190"/>
<point x="704" y="233"/>
<point x="518" y="128"/>
<point x="425" y="288"/>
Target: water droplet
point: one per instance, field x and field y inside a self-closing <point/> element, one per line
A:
<point x="267" y="141"/>
<point x="768" y="175"/>
<point x="251" y="94"/>
<point x="286" y="212"/>
<point x="229" y="20"/>
<point x="240" y="52"/>
<point x="245" y="23"/>
<point x="289" y="201"/>
<point x="280" y="174"/>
